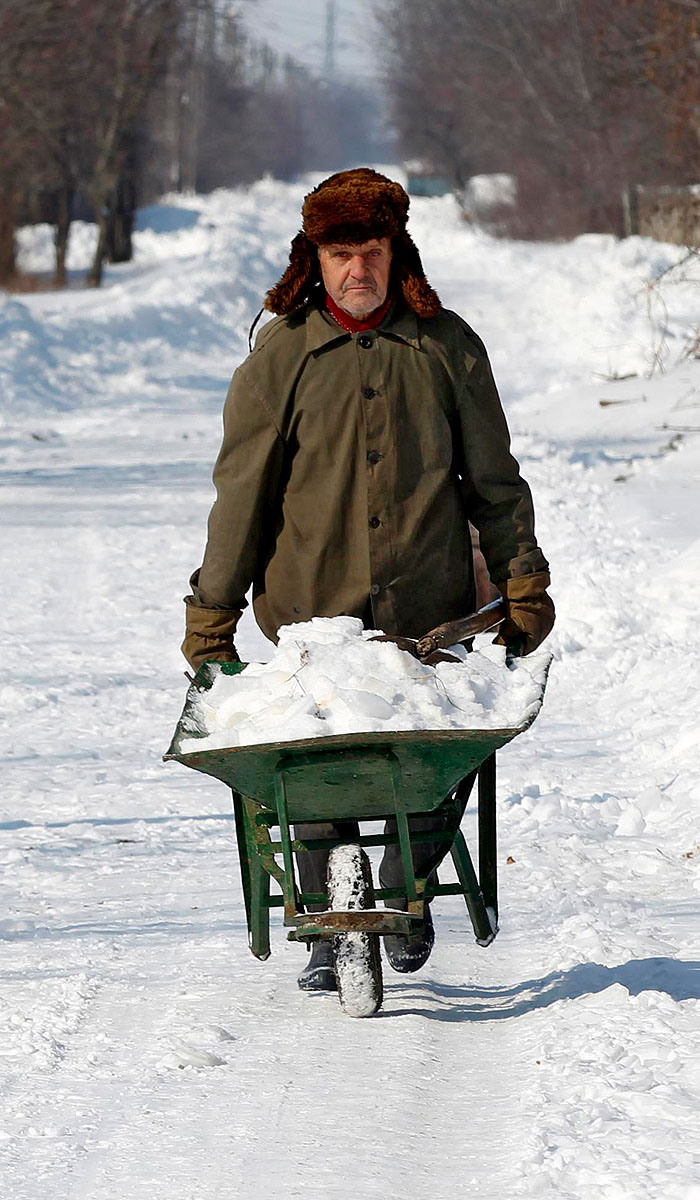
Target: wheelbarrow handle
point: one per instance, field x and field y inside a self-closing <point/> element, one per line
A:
<point x="452" y="632"/>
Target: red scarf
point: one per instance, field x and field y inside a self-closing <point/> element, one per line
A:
<point x="351" y="324"/>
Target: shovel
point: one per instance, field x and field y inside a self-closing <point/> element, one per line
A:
<point x="430" y="648"/>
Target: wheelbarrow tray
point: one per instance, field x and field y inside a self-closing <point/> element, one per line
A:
<point x="358" y="776"/>
<point x="350" y="775"/>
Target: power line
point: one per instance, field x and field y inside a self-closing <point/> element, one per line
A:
<point x="329" y="65"/>
<point x="327" y="37"/>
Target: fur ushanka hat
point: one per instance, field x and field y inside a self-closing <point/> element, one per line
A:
<point x="354" y="206"/>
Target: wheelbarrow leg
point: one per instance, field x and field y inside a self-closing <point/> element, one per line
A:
<point x="488" y="864"/>
<point x="404" y="835"/>
<point x="483" y="929"/>
<point x="245" y="851"/>
<point x="255" y="881"/>
<point x="260" y="911"/>
<point x="480" y="893"/>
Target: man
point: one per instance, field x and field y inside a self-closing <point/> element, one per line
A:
<point x="361" y="437"/>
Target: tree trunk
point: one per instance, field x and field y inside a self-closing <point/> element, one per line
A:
<point x="119" y="247"/>
<point x="8" y="249"/>
<point x="94" y="275"/>
<point x="630" y="210"/>
<point x="120" y="224"/>
<point x="61" y="234"/>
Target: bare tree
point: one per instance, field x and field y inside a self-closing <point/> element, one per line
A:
<point x="75" y="76"/>
<point x="101" y="98"/>
<point x="18" y="142"/>
<point x="131" y="39"/>
<point x="576" y="98"/>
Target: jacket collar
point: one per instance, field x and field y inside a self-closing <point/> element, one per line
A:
<point x="400" y="322"/>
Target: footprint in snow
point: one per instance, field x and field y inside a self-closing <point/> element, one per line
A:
<point x="183" y="1054"/>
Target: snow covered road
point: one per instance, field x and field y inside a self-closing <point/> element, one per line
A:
<point x="143" y="1052"/>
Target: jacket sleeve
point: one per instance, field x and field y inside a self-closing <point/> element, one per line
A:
<point x="247" y="477"/>
<point x="498" y="499"/>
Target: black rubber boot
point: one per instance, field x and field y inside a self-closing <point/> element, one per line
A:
<point x="319" y="973"/>
<point x="410" y="953"/>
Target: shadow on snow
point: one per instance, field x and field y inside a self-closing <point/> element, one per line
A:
<point x="677" y="978"/>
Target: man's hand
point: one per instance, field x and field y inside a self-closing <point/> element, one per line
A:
<point x="529" y="613"/>
<point x="209" y="634"/>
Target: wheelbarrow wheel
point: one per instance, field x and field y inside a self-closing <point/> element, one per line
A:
<point x="358" y="963"/>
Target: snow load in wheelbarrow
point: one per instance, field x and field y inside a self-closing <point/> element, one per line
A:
<point x="354" y="772"/>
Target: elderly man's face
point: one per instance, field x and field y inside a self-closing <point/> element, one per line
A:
<point x="357" y="277"/>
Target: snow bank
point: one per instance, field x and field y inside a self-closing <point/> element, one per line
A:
<point x="177" y="317"/>
<point x="483" y="192"/>
<point x="328" y="677"/>
<point x="27" y="362"/>
<point x="36" y="249"/>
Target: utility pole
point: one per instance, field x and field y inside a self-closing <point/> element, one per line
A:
<point x="329" y="64"/>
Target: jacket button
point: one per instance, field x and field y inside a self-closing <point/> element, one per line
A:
<point x="365" y="342"/>
<point x="368" y="393"/>
<point x="374" y="590"/>
<point x="373" y="457"/>
<point x="374" y="522"/>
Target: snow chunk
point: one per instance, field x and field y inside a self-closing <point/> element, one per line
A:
<point x="182" y="1055"/>
<point x="327" y="677"/>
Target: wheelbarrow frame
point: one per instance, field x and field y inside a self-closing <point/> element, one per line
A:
<point x="373" y="776"/>
<point x="258" y="855"/>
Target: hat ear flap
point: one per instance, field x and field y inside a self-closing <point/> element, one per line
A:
<point x="410" y="278"/>
<point x="296" y="283"/>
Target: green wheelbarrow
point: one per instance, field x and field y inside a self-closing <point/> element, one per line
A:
<point x="363" y="777"/>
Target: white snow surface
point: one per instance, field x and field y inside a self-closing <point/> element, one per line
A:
<point x="144" y="1052"/>
<point x="328" y="677"/>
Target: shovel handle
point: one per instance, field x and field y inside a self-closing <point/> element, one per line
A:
<point x="452" y="632"/>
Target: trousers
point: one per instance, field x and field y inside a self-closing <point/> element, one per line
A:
<point x="312" y="864"/>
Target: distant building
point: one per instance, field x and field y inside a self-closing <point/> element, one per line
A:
<point x="422" y="180"/>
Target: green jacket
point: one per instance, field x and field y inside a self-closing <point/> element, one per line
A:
<point x="350" y="468"/>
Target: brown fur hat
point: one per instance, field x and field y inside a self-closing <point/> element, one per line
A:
<point x="353" y="207"/>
